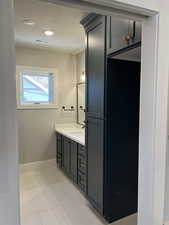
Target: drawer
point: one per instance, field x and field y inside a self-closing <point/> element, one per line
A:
<point x="82" y="164"/>
<point x="82" y="150"/>
<point x="82" y="181"/>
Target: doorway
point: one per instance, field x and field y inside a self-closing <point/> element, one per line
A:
<point x="152" y="24"/>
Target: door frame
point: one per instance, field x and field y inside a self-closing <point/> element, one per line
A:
<point x="153" y="111"/>
<point x="153" y="108"/>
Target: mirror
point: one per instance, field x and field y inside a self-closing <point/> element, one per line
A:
<point x="81" y="103"/>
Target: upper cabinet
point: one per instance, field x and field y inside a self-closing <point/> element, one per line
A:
<point x="95" y="67"/>
<point x="122" y="33"/>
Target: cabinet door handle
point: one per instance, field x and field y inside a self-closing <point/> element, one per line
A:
<point x="128" y="37"/>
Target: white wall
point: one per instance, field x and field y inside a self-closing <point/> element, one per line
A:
<point x="80" y="68"/>
<point x="80" y="64"/>
<point x="36" y="127"/>
<point x="9" y="198"/>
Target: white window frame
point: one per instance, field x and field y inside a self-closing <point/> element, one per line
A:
<point x="36" y="70"/>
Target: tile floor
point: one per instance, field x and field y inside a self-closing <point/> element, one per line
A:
<point x="49" y="198"/>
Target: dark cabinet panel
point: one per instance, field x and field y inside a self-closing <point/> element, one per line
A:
<point x="59" y="160"/>
<point x="117" y="30"/>
<point x="82" y="181"/>
<point x="59" y="150"/>
<point x="66" y="155"/>
<point x="95" y="68"/>
<point x="82" y="164"/>
<point x="122" y="127"/>
<point x="121" y="33"/>
<point x="82" y="168"/>
<point x="82" y="151"/>
<point x="95" y="135"/>
<point x="73" y="160"/>
<point x="70" y="154"/>
<point x="138" y="32"/>
<point x="112" y="117"/>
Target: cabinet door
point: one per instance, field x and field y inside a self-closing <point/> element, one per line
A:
<point x="121" y="33"/>
<point x="117" y="29"/>
<point x="73" y="160"/>
<point x="59" y="150"/>
<point x="138" y="32"/>
<point x="66" y="155"/>
<point x="95" y="67"/>
<point x="95" y="131"/>
<point x="59" y="153"/>
<point x="58" y="143"/>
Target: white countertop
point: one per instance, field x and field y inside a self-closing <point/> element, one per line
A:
<point x="72" y="131"/>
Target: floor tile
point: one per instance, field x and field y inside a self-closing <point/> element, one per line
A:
<point x="49" y="198"/>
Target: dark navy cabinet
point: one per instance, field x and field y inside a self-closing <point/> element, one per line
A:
<point x="95" y="151"/>
<point x="59" y="153"/>
<point x="71" y="157"/>
<point x="112" y="119"/>
<point x="66" y="155"/>
<point x="122" y="33"/>
<point x="73" y="160"/>
<point x="95" y="68"/>
<point x="82" y="168"/>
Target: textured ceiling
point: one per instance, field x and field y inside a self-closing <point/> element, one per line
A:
<point x="65" y="22"/>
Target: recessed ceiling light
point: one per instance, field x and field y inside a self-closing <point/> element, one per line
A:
<point x="28" y="22"/>
<point x="48" y="32"/>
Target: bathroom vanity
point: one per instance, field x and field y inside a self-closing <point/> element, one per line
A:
<point x="71" y="153"/>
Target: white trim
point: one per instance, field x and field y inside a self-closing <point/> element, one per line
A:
<point x="19" y="70"/>
<point x="117" y="9"/>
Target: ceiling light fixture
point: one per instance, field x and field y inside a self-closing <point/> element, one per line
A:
<point x="28" y="22"/>
<point x="48" y="32"/>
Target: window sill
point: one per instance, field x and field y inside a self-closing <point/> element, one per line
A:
<point x="37" y="107"/>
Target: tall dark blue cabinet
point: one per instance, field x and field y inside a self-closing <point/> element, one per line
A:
<point x="112" y="125"/>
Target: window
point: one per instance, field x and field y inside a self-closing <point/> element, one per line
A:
<point x="36" y="88"/>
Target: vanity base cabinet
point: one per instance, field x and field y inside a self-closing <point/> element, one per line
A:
<point x="71" y="157"/>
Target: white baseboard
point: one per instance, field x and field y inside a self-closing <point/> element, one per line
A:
<point x="37" y="164"/>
